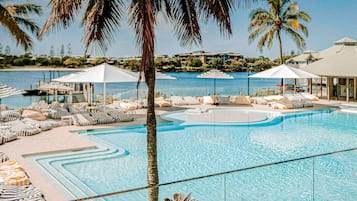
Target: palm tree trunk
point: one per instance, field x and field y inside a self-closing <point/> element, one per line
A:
<point x="281" y="60"/>
<point x="280" y="48"/>
<point x="147" y="65"/>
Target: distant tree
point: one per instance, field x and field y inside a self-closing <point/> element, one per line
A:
<point x="98" y="61"/>
<point x="62" y="51"/>
<point x="52" y="51"/>
<point x="283" y="16"/>
<point x="71" y="62"/>
<point x="0" y="48"/>
<point x="216" y="63"/>
<point x="7" y="50"/>
<point x="69" y="50"/>
<point x="193" y="62"/>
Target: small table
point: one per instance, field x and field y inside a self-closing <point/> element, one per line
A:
<point x="67" y="120"/>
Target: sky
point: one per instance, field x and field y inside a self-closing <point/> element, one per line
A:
<point x="331" y="20"/>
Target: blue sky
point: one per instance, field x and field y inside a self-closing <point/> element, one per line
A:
<point x="331" y="20"/>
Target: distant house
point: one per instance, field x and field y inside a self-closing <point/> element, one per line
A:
<point x="301" y="60"/>
<point x="205" y="57"/>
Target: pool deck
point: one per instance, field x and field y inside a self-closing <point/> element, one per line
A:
<point x="62" y="139"/>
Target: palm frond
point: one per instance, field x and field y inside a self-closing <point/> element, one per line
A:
<point x="303" y="16"/>
<point x="101" y="19"/>
<point x="62" y="14"/>
<point x="263" y="40"/>
<point x="220" y="11"/>
<point x="292" y="8"/>
<point x="8" y="20"/>
<point x="256" y="33"/>
<point x="28" y="24"/>
<point x="185" y="20"/>
<point x="26" y="9"/>
<point x="297" y="38"/>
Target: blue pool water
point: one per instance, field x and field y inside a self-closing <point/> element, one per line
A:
<point x="186" y="151"/>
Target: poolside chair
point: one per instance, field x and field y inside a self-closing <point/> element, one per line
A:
<point x="43" y="125"/>
<point x="22" y="129"/>
<point x="241" y="100"/>
<point x="121" y="116"/>
<point x="9" y="115"/>
<point x="3" y="157"/>
<point x="102" y="117"/>
<point x="83" y="119"/>
<point x="75" y="109"/>
<point x="7" y="135"/>
<point x="129" y="105"/>
<point x="57" y="112"/>
<point x="259" y="100"/>
<point x="190" y="100"/>
<point x="177" y="100"/>
<point x="161" y="102"/>
<point x="208" y="100"/>
<point x="310" y="97"/>
<point x="26" y="192"/>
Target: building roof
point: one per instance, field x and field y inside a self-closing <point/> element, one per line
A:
<point x="339" y="60"/>
<point x="304" y="56"/>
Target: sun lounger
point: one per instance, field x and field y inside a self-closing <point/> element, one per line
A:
<point x="259" y="100"/>
<point x="208" y="100"/>
<point x="7" y="135"/>
<point x="3" y="157"/>
<point x="161" y="102"/>
<point x="299" y="100"/>
<point x="241" y="100"/>
<point x="190" y="100"/>
<point x="26" y="192"/>
<point x="177" y="100"/>
<point x="43" y="125"/>
<point x="22" y="129"/>
<point x="83" y="119"/>
<point x="9" y="115"/>
<point x="281" y="105"/>
<point x="102" y="117"/>
<point x="129" y="105"/>
<point x="223" y="100"/>
<point x="58" y="112"/>
<point x="121" y="116"/>
<point x="310" y="97"/>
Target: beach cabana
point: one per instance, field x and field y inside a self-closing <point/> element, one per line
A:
<point x="284" y="72"/>
<point x="103" y="73"/>
<point x="339" y="65"/>
<point x="214" y="74"/>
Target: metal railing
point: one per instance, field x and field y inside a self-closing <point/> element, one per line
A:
<point x="224" y="174"/>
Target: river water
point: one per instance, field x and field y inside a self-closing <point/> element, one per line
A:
<point x="185" y="84"/>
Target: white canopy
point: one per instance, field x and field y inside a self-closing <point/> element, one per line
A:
<point x="284" y="71"/>
<point x="6" y="91"/>
<point x="215" y="74"/>
<point x="103" y="73"/>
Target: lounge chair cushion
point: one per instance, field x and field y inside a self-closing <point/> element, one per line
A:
<point x="208" y="100"/>
<point x="242" y="100"/>
<point x="33" y="114"/>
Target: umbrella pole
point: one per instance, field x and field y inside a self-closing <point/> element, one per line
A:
<point x="104" y="96"/>
<point x="294" y="86"/>
<point x="214" y="91"/>
<point x="283" y="86"/>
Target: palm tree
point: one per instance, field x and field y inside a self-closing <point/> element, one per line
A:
<point x="283" y="16"/>
<point x="102" y="18"/>
<point x="12" y="17"/>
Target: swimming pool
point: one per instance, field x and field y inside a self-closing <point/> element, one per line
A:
<point x="197" y="149"/>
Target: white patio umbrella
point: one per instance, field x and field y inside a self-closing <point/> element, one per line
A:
<point x="284" y="72"/>
<point x="215" y="74"/>
<point x="6" y="91"/>
<point x="103" y="73"/>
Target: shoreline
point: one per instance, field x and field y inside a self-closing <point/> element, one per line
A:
<point x="35" y="68"/>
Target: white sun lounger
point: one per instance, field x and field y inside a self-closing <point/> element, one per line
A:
<point x="7" y="135"/>
<point x="83" y="119"/>
<point x="22" y="129"/>
<point x="43" y="125"/>
<point x="121" y="116"/>
<point x="102" y="117"/>
<point x="9" y="115"/>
